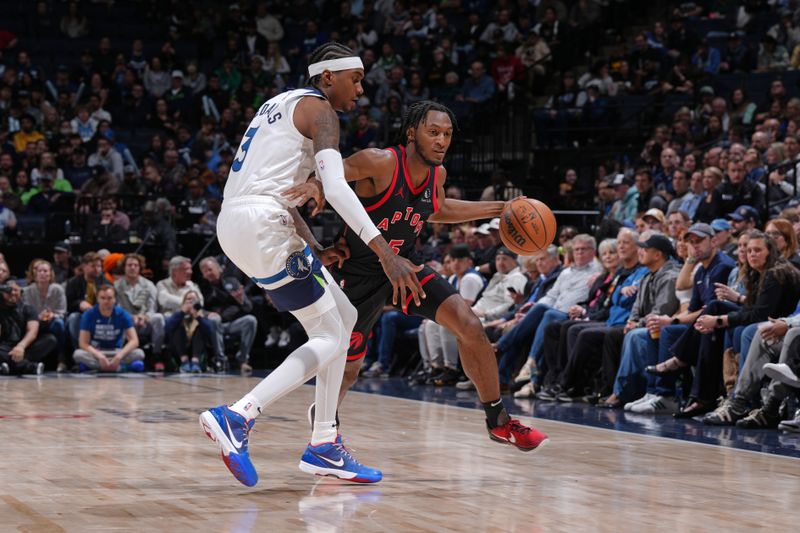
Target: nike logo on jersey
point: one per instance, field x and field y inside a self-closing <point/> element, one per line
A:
<point x="235" y="442"/>
<point x="339" y="463"/>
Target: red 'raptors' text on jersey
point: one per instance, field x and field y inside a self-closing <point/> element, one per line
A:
<point x="399" y="212"/>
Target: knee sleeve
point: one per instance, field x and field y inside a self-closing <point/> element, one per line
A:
<point x="328" y="333"/>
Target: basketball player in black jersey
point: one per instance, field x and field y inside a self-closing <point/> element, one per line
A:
<point x="401" y="189"/>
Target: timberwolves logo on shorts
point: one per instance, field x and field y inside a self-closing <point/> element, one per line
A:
<point x="297" y="266"/>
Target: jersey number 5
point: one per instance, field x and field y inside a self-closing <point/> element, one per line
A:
<point x="395" y="244"/>
<point x="237" y="163"/>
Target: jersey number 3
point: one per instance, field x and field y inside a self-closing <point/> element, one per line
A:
<point x="237" y="163"/>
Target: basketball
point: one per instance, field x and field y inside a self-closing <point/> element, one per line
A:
<point x="527" y="226"/>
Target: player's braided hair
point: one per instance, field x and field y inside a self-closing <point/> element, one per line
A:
<point x="324" y="52"/>
<point x="417" y="112"/>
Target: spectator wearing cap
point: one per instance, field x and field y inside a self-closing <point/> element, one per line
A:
<point x="48" y="194"/>
<point x="772" y="289"/>
<point x="655" y="296"/>
<point x="743" y="219"/>
<point x="437" y="345"/>
<point x="723" y="239"/>
<point x="64" y="265"/>
<point x="487" y="246"/>
<point x="735" y="191"/>
<point x="571" y="288"/>
<point x="627" y="199"/>
<point x="655" y="219"/>
<point x="498" y="297"/>
<point x="737" y="56"/>
<point x="27" y="133"/>
<point x="644" y="350"/>
<point x="178" y="98"/>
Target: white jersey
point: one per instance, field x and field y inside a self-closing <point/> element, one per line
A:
<point x="273" y="156"/>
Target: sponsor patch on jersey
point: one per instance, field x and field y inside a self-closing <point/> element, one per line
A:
<point x="297" y="266"/>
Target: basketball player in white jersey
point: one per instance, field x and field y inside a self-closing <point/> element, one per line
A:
<point x="292" y="135"/>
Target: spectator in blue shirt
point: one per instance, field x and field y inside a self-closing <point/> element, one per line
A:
<point x="706" y="58"/>
<point x="479" y="87"/>
<point x="108" y="340"/>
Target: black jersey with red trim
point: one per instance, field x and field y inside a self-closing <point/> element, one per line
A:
<point x="399" y="212"/>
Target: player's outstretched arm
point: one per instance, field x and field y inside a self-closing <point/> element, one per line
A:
<point x="315" y="119"/>
<point x="453" y="211"/>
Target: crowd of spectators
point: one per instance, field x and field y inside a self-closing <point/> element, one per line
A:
<point x="666" y="306"/>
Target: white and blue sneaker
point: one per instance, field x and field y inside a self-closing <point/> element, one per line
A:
<point x="333" y="459"/>
<point x="231" y="431"/>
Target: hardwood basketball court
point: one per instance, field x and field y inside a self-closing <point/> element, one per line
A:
<point x="127" y="454"/>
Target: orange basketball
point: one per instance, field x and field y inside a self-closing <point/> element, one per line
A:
<point x="527" y="226"/>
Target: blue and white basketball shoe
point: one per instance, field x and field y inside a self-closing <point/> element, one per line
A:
<point x="231" y="431"/>
<point x="333" y="459"/>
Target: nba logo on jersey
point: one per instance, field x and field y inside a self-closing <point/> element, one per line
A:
<point x="297" y="266"/>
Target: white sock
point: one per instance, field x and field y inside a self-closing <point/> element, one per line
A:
<point x="249" y="407"/>
<point x="324" y="433"/>
<point x="326" y="396"/>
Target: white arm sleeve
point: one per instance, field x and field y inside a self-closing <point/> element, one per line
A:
<point x="338" y="193"/>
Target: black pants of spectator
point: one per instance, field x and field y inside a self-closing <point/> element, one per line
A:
<point x="555" y="349"/>
<point x="584" y="356"/>
<point x="704" y="352"/>
<point x="198" y="346"/>
<point x="612" y="353"/>
<point x="35" y="353"/>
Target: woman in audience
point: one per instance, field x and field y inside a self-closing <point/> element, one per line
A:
<point x="50" y="303"/>
<point x="190" y="336"/>
<point x="772" y="289"/>
<point x="782" y="232"/>
<point x="710" y="207"/>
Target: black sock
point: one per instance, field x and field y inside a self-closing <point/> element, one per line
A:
<point x="496" y="414"/>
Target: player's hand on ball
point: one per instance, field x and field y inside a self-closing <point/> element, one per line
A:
<point x="303" y="192"/>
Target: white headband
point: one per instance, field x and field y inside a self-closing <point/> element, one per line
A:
<point x="334" y="65"/>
